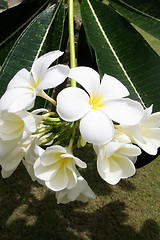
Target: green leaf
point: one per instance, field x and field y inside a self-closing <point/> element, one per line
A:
<point x="13" y="22"/>
<point x="3" y="4"/>
<point x="149" y="8"/>
<point x="85" y="52"/>
<point x="55" y="33"/>
<point x="33" y="42"/>
<point x="122" y="52"/>
<point x="144" y="21"/>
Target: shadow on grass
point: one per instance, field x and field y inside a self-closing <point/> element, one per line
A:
<point x="70" y="222"/>
<point x="27" y="216"/>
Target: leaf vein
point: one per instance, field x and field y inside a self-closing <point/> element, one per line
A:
<point x="114" y="53"/>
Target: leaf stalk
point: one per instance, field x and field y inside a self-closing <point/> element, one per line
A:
<point x="71" y="39"/>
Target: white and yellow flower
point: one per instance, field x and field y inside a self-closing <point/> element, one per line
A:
<point x="15" y="128"/>
<point x="25" y="86"/>
<point x="114" y="161"/>
<point x="98" y="105"/>
<point x="57" y="167"/>
<point x="146" y="134"/>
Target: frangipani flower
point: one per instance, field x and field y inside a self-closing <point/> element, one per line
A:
<point x="56" y="166"/>
<point x="146" y="134"/>
<point x="98" y="105"/>
<point x="25" y="86"/>
<point x="11" y="162"/>
<point x="123" y="138"/>
<point x="114" y="161"/>
<point x="81" y="192"/>
<point x="13" y="159"/>
<point x="33" y="152"/>
<point x="15" y="128"/>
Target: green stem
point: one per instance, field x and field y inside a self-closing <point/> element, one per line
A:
<point x="45" y="96"/>
<point x="71" y="40"/>
<point x="48" y="114"/>
<point x="73" y="136"/>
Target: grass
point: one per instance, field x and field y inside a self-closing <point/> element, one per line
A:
<point x="129" y="210"/>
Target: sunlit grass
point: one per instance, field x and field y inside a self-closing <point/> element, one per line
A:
<point x="129" y="210"/>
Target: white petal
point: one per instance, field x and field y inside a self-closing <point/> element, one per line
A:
<point x="153" y="122"/>
<point x="80" y="163"/>
<point x="17" y="99"/>
<point x="111" y="88"/>
<point x="13" y="159"/>
<point x="133" y="132"/>
<point x="11" y="126"/>
<point x="72" y="104"/>
<point x="121" y="137"/>
<point x="79" y="188"/>
<point x="127" y="166"/>
<point x="114" y="174"/>
<point x="40" y="65"/>
<point x="59" y="181"/>
<point x="6" y="147"/>
<point x="111" y="148"/>
<point x="61" y="196"/>
<point x="149" y="146"/>
<point x="22" y="79"/>
<point x="81" y="192"/>
<point x="6" y="174"/>
<point x="147" y="114"/>
<point x="96" y="148"/>
<point x="34" y="152"/>
<point x="31" y="120"/>
<point x="96" y="127"/>
<point x="124" y="111"/>
<point x="67" y="155"/>
<point x="72" y="177"/>
<point x="53" y="77"/>
<point x="133" y="159"/>
<point x="87" y="192"/>
<point x="87" y="77"/>
<point x="52" y="155"/>
<point x="129" y="150"/>
<point x="44" y="172"/>
<point x="153" y="135"/>
<point x="49" y="158"/>
<point x="39" y="110"/>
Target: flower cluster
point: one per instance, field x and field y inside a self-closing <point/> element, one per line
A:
<point x="116" y="126"/>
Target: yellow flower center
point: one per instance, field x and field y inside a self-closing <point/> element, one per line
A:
<point x="97" y="102"/>
<point x="34" y="85"/>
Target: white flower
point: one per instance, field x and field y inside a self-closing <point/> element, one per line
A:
<point x="15" y="128"/>
<point x="24" y="86"/>
<point x="32" y="154"/>
<point x="123" y="138"/>
<point x="81" y="192"/>
<point x="11" y="162"/>
<point x="56" y="166"/>
<point x="13" y="159"/>
<point x="98" y="105"/>
<point x="146" y="134"/>
<point x="115" y="161"/>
